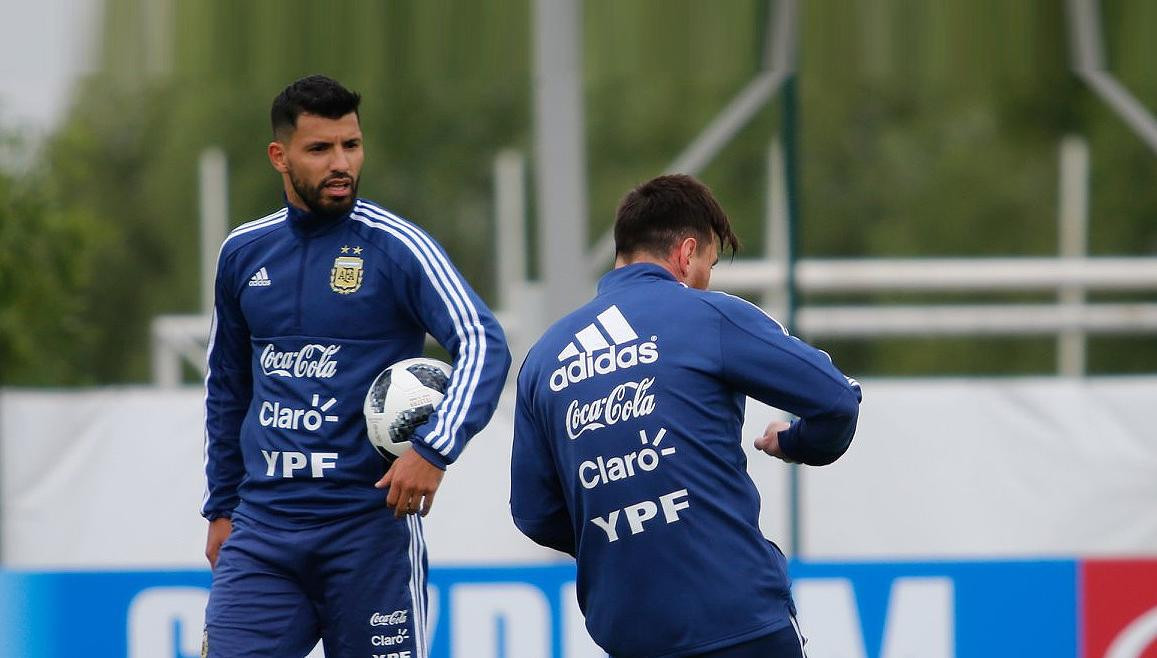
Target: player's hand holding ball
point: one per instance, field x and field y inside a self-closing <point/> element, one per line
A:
<point x="402" y="398"/>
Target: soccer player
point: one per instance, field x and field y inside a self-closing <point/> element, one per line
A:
<point x="627" y="450"/>
<point x="311" y="533"/>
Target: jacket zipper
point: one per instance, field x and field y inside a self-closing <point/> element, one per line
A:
<point x="300" y="283"/>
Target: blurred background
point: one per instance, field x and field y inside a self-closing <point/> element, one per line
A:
<point x="954" y="198"/>
<point x="921" y="129"/>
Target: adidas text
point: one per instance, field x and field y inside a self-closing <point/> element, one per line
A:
<point x="590" y="364"/>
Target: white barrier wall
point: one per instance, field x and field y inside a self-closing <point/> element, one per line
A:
<point x="1006" y="468"/>
<point x="940" y="467"/>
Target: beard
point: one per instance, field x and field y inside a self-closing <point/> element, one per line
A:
<point x="314" y="197"/>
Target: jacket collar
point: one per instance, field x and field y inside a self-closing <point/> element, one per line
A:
<point x="633" y="274"/>
<point x="308" y="224"/>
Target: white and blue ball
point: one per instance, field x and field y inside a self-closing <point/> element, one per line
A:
<point x="401" y="398"/>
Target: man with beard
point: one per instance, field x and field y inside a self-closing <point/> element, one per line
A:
<point x="311" y="533"/>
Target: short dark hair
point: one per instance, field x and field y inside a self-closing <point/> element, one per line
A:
<point x="655" y="216"/>
<point x="314" y="94"/>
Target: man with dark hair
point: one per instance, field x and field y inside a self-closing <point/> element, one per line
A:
<point x="627" y="450"/>
<point x="312" y="302"/>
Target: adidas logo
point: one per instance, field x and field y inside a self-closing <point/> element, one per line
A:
<point x="607" y="345"/>
<point x="260" y="279"/>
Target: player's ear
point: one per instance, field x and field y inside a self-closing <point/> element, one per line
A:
<point x="276" y="152"/>
<point x="687" y="249"/>
<point x="683" y="253"/>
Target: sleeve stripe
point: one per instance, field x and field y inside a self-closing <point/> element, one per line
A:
<point x="457" y="302"/>
<point x="461" y="310"/>
<point x="208" y="372"/>
<point x="453" y="305"/>
<point x="268" y="220"/>
<point x="257" y="224"/>
<point x="474" y="353"/>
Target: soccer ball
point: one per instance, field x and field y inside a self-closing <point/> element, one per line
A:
<point x="401" y="398"/>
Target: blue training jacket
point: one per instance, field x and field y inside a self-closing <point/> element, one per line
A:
<point x="308" y="311"/>
<point x="627" y="455"/>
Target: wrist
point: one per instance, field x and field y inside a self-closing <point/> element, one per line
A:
<point x="427" y="453"/>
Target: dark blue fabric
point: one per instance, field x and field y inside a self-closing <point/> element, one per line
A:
<point x="628" y="455"/>
<point x="275" y="592"/>
<point x="308" y="311"/>
<point x="784" y="643"/>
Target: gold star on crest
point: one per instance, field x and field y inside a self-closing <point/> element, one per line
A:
<point x="357" y="250"/>
<point x="345" y="249"/>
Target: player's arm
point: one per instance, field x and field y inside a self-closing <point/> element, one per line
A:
<point x="443" y="303"/>
<point x="229" y="389"/>
<point x="537" y="504"/>
<point x="761" y="359"/>
<point x="450" y="310"/>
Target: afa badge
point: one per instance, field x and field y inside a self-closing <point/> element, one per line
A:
<point x="346" y="276"/>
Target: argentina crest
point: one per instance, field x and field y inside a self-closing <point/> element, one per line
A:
<point x="346" y="276"/>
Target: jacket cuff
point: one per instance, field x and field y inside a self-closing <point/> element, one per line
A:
<point x="789" y="444"/>
<point x="429" y="454"/>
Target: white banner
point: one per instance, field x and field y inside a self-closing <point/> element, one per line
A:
<point x="939" y="468"/>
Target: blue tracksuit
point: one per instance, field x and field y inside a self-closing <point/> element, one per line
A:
<point x="627" y="455"/>
<point x="308" y="311"/>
